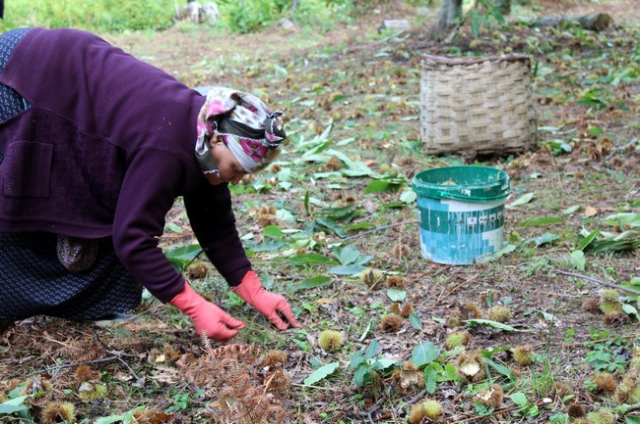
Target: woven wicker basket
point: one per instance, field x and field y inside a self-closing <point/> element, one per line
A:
<point x="482" y="105"/>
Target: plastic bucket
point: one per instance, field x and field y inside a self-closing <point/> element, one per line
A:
<point x="461" y="212"/>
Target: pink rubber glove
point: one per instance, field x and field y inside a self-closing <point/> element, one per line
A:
<point x="267" y="303"/>
<point x="206" y="316"/>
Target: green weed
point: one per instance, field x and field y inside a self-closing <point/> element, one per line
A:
<point x="606" y="354"/>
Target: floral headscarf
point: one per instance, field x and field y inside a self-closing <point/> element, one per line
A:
<point x="251" y="131"/>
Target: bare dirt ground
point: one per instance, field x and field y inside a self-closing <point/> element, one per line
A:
<point x="367" y="85"/>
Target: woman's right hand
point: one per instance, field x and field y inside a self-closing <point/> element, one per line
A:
<point x="208" y="318"/>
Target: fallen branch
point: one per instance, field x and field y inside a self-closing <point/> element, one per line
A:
<point x="76" y="364"/>
<point x="129" y="368"/>
<point x="494" y="413"/>
<point x="411" y="401"/>
<point x="623" y="148"/>
<point x="456" y="288"/>
<point x="595" y="280"/>
<point x="579" y="344"/>
<point x="331" y="389"/>
<point x="593" y="21"/>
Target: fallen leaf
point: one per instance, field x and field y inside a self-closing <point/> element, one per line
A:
<point x="166" y="375"/>
<point x="590" y="211"/>
<point x="370" y="207"/>
<point x="325" y="300"/>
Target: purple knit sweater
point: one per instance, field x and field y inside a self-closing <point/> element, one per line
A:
<point x="105" y="148"/>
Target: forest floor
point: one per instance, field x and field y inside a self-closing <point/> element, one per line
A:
<point x="339" y="201"/>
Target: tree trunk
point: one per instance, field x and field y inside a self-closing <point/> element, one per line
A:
<point x="294" y="6"/>
<point x="594" y="21"/>
<point x="450" y="12"/>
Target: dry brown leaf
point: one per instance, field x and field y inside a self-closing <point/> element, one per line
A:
<point x="370" y="207"/>
<point x="166" y="375"/>
<point x="590" y="211"/>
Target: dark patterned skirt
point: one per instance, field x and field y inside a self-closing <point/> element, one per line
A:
<point x="34" y="282"/>
<point x="32" y="279"/>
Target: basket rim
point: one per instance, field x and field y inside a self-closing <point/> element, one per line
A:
<point x="472" y="60"/>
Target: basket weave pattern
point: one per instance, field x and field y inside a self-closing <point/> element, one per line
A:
<point x="480" y="105"/>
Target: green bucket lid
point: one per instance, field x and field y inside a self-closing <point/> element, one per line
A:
<point x="463" y="183"/>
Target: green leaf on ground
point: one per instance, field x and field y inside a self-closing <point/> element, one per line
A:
<point x="321" y="373"/>
<point x="331" y="226"/>
<point x="505" y="250"/>
<point x="379" y="186"/>
<point x="499" y="368"/>
<point x="630" y="310"/>
<point x="523" y="199"/>
<point x="541" y="221"/>
<point x="180" y="257"/>
<point x="172" y="226"/>
<point x="415" y="321"/>
<point x="423" y="354"/>
<point x="347" y="270"/>
<point x="571" y="210"/>
<point x="312" y="283"/>
<point x="397" y="295"/>
<point x="546" y="238"/>
<point x="372" y="349"/>
<point x="519" y="399"/>
<point x="430" y="378"/>
<point x="577" y="260"/>
<point x="307" y="206"/>
<point x="494" y="324"/>
<point x="13" y="405"/>
<point x="347" y="255"/>
<point x="408" y="196"/>
<point x="273" y="231"/>
<point x="588" y="239"/>
<point x="311" y="259"/>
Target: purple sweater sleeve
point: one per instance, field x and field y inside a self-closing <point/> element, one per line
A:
<point x="212" y="220"/>
<point x="151" y="184"/>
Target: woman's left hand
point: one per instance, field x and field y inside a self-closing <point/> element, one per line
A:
<point x="267" y="303"/>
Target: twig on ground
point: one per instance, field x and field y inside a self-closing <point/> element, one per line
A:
<point x="456" y="288"/>
<point x="411" y="401"/>
<point x="595" y="280"/>
<point x="576" y="344"/>
<point x="76" y="364"/>
<point x="622" y="148"/>
<point x="374" y="408"/>
<point x="416" y="277"/>
<point x="317" y="387"/>
<point x="374" y="285"/>
<point x="411" y="221"/>
<point x="128" y="367"/>
<point x="502" y="411"/>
